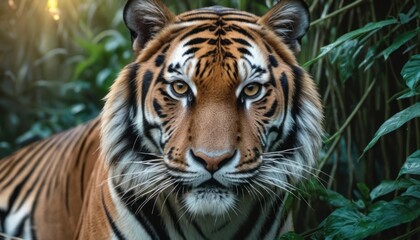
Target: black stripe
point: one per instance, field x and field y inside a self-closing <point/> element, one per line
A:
<point x="272" y="110"/>
<point x="242" y="31"/>
<point x="32" y="215"/>
<point x="196" y="30"/>
<point x="197" y="68"/>
<point x="225" y="42"/>
<point x="191" y="51"/>
<point x="38" y="193"/>
<point x="159" y="60"/>
<point x="166" y="96"/>
<point x="19" y="230"/>
<point x="239" y="19"/>
<point x="198" y="12"/>
<point x="88" y="135"/>
<point x="271" y="218"/>
<point x="45" y="163"/>
<point x="267" y="46"/>
<point x="273" y="61"/>
<point x="2" y="220"/>
<point x="27" y="155"/>
<point x="291" y="140"/>
<point x="9" y="163"/>
<point x="197" y="227"/>
<point x="212" y="41"/>
<point x="242" y="41"/>
<point x="245" y="229"/>
<point x="150" y="220"/>
<point x="195" y="41"/>
<point x="298" y="74"/>
<point x="226" y="19"/>
<point x="174" y="217"/>
<point x="236" y="13"/>
<point x="219" y="11"/>
<point x="202" y="18"/>
<point x="29" y="170"/>
<point x="165" y="48"/>
<point x="272" y="80"/>
<point x="145" y="84"/>
<point x="285" y="87"/>
<point x="220" y="32"/>
<point x="129" y="139"/>
<point x="158" y="109"/>
<point x="111" y="222"/>
<point x="172" y="69"/>
<point x="244" y="51"/>
<point x="132" y="82"/>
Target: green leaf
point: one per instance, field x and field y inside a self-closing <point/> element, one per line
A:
<point x="351" y="224"/>
<point x="350" y="36"/>
<point x="314" y="188"/>
<point x="408" y="95"/>
<point x="341" y="223"/>
<point x="364" y="190"/>
<point x="411" y="165"/>
<point x="411" y="73"/>
<point x="394" y="123"/>
<point x="410" y="15"/>
<point x="389" y="214"/>
<point x="102" y="76"/>
<point x="401" y="40"/>
<point x="413" y="191"/>
<point x="388" y="186"/>
<point x="335" y="199"/>
<point x="344" y="58"/>
<point x="291" y="236"/>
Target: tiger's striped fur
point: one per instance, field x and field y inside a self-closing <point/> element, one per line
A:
<point x="43" y="186"/>
<point x="199" y="138"/>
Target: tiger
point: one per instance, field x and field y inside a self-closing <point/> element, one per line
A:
<point x="201" y="136"/>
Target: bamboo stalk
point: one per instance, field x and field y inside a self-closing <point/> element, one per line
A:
<point x="338" y="12"/>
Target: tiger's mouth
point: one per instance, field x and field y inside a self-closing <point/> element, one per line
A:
<point x="209" y="198"/>
<point x="211" y="184"/>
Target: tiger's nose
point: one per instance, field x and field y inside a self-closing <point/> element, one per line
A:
<point x="213" y="161"/>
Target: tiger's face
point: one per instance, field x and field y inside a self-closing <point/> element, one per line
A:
<point x="217" y="108"/>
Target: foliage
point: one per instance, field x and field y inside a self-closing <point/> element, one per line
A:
<point x="370" y="214"/>
<point x="363" y="55"/>
<point x="55" y="77"/>
<point x="357" y="59"/>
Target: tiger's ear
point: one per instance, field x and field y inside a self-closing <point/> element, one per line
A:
<point x="144" y="19"/>
<point x="288" y="19"/>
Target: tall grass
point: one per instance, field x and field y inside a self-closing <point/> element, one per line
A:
<point x="55" y="73"/>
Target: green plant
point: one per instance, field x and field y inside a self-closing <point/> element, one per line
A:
<point x="56" y="62"/>
<point x="362" y="70"/>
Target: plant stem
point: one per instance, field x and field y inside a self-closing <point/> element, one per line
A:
<point x="407" y="235"/>
<point x="333" y="14"/>
<point x="337" y="135"/>
<point x="356" y="109"/>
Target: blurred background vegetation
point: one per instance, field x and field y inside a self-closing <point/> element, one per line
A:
<point x="59" y="57"/>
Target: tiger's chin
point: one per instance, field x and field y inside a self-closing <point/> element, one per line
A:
<point x="209" y="200"/>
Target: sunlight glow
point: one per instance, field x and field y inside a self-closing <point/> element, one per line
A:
<point x="53" y="9"/>
<point x="12" y="4"/>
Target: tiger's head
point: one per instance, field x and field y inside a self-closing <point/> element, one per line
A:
<point x="214" y="108"/>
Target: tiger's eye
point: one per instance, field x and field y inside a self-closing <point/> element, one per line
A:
<point x="252" y="89"/>
<point x="180" y="87"/>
